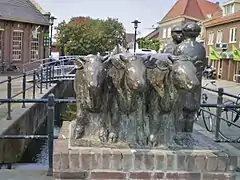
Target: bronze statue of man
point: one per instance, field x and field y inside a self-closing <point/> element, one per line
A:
<point x="197" y="54"/>
<point x="177" y="38"/>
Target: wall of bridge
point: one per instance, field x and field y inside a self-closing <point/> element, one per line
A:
<point x="28" y="121"/>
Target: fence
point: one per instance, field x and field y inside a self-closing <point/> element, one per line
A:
<point x="44" y="77"/>
<point x="60" y="61"/>
<point x="51" y="101"/>
<point x="219" y="137"/>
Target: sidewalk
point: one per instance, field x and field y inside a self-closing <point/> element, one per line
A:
<point x="23" y="175"/>
<point x="228" y="86"/>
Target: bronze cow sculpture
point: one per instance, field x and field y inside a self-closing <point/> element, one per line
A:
<point x="167" y="76"/>
<point x="131" y="99"/>
<point x="128" y="84"/>
<point x="89" y="85"/>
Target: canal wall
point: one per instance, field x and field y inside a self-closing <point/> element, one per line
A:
<point x="26" y="121"/>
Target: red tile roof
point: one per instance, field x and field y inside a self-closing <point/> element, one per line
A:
<point x="198" y="9"/>
<point x="222" y="20"/>
<point x="153" y="35"/>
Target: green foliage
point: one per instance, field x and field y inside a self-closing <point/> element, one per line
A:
<point x="84" y="35"/>
<point x="70" y="113"/>
<point x="153" y="44"/>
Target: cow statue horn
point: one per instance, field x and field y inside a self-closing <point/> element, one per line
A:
<point x="151" y="64"/>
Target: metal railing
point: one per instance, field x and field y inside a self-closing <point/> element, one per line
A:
<point x="51" y="71"/>
<point x="37" y="80"/>
<point x="61" y="62"/>
<point x="51" y="101"/>
<point x="219" y="109"/>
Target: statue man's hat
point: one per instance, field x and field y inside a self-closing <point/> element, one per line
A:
<point x="191" y="27"/>
<point x="177" y="29"/>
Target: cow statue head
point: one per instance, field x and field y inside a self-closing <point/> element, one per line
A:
<point x="184" y="73"/>
<point x="134" y="70"/>
<point x="181" y="68"/>
<point x="157" y="69"/>
<point x="93" y="69"/>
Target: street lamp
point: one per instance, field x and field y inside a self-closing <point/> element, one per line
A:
<point x="52" y="18"/>
<point x="118" y="41"/>
<point x="135" y="23"/>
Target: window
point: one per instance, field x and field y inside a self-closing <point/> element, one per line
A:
<point x="219" y="36"/>
<point x="210" y="38"/>
<point x="164" y="35"/>
<point x="233" y="35"/>
<point x="35" y="45"/>
<point x="169" y="32"/>
<point x="229" y="9"/>
<point x="17" y="45"/>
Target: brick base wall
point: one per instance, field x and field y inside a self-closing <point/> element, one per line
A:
<point x="106" y="163"/>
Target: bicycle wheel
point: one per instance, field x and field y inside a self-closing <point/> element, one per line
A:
<point x="228" y="112"/>
<point x="207" y="118"/>
<point x="227" y="130"/>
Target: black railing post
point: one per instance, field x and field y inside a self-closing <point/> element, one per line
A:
<point x="9" y="96"/>
<point x="52" y="73"/>
<point x="218" y="112"/>
<point x="34" y="83"/>
<point x="50" y="127"/>
<point x="50" y="76"/>
<point x="24" y="89"/>
<point x="46" y="72"/>
<point x="41" y="80"/>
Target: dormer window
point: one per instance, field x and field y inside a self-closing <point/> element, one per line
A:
<point x="229" y="9"/>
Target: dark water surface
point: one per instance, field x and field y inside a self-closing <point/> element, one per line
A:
<point x="36" y="155"/>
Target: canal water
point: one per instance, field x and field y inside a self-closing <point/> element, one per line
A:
<point x="36" y="155"/>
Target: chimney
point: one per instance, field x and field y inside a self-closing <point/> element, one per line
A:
<point x="217" y="3"/>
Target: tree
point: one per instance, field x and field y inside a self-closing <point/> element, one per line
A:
<point x="84" y="35"/>
<point x="153" y="44"/>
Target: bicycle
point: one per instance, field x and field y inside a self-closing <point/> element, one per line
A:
<point x="205" y="111"/>
<point x="232" y="116"/>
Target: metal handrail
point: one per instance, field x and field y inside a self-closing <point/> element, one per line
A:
<point x="48" y="61"/>
<point x="51" y="101"/>
<point x="224" y="93"/>
<point x="25" y="88"/>
<point x="43" y="75"/>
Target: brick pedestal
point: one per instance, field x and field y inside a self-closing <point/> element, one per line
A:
<point x="106" y="163"/>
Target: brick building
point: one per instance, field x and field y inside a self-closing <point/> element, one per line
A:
<point x="223" y="39"/>
<point x="184" y="11"/>
<point x="23" y="25"/>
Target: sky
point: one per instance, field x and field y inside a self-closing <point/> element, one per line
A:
<point x="149" y="12"/>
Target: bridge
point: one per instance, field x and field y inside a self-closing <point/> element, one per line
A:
<point x="41" y="75"/>
<point x="61" y="68"/>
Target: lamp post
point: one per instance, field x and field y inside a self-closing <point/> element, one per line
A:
<point x="135" y="23"/>
<point x="118" y="41"/>
<point x="52" y="18"/>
